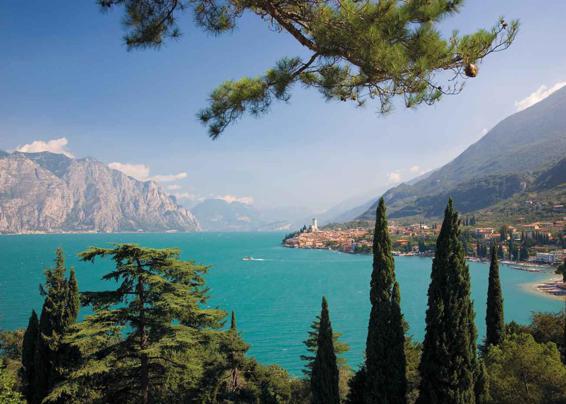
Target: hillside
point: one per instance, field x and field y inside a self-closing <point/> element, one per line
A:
<point x="46" y="192"/>
<point x="502" y="164"/>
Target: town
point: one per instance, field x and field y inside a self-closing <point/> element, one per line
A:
<point x="540" y="242"/>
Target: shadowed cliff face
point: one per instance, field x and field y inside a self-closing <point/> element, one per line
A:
<point x="50" y="192"/>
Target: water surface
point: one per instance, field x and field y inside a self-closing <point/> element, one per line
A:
<point x="275" y="300"/>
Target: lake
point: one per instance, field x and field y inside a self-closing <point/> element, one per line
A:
<point x="275" y="300"/>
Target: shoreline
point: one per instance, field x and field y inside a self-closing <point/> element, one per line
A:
<point x="549" y="287"/>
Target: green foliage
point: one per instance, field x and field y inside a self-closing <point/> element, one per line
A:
<point x="494" y="318"/>
<point x="29" y="347"/>
<point x="413" y="351"/>
<point x="385" y="366"/>
<point x="57" y="315"/>
<point x="449" y="365"/>
<point x="8" y="394"/>
<point x="357" y="385"/>
<point x="524" y="371"/>
<point x="358" y="50"/>
<point x="311" y="342"/>
<point x="11" y="344"/>
<point x="134" y="342"/>
<point x="324" y="372"/>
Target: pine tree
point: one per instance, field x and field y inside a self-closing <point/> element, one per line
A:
<point x="385" y="348"/>
<point x="132" y="341"/>
<point x="324" y="377"/>
<point x="29" y="346"/>
<point x="494" y="319"/>
<point x="449" y="365"/>
<point x="54" y="322"/>
<point x="356" y="50"/>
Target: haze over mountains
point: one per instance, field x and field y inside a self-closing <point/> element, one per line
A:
<point x="510" y="160"/>
<point x="47" y="192"/>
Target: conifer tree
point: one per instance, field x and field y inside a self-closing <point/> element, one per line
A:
<point x="324" y="376"/>
<point x="494" y="318"/>
<point x="29" y="346"/>
<point x="356" y="50"/>
<point x="73" y="298"/>
<point x="449" y="366"/>
<point x="129" y="346"/>
<point x="54" y="322"/>
<point x="235" y="349"/>
<point x="385" y="348"/>
<point x="311" y="344"/>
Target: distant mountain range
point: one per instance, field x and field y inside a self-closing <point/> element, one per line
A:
<point x="46" y="192"/>
<point x="219" y="215"/>
<point x="522" y="154"/>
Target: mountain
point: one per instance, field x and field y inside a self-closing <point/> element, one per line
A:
<point x="47" y="192"/>
<point x="502" y="164"/>
<point x="219" y="215"/>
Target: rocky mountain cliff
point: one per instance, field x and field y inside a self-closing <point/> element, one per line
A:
<point x="46" y="192"/>
<point x="502" y="164"/>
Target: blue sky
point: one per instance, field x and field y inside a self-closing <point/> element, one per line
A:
<point x="65" y="73"/>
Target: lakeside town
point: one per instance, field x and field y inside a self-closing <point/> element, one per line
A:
<point x="529" y="246"/>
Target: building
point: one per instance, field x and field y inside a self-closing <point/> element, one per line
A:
<point x="314" y="225"/>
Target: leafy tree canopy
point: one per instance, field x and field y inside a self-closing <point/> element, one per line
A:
<point x="524" y="371"/>
<point x="357" y="50"/>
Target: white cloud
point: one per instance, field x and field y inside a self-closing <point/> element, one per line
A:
<point x="170" y="177"/>
<point x="173" y="187"/>
<point x="540" y="94"/>
<point x="394" y="177"/>
<point x="141" y="172"/>
<point x="415" y="169"/>
<point x="58" y="146"/>
<point x="248" y="200"/>
<point x="137" y="171"/>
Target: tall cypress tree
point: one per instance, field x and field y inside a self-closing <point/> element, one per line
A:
<point x="59" y="311"/>
<point x="385" y="368"/>
<point x="324" y="376"/>
<point x="73" y="297"/>
<point x="449" y="366"/>
<point x="29" y="346"/>
<point x="494" y="315"/>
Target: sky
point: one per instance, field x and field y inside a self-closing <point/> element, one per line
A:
<point x="68" y="84"/>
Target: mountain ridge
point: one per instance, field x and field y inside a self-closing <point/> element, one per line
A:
<point x="498" y="166"/>
<point x="48" y="192"/>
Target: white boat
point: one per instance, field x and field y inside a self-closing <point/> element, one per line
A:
<point x="249" y="258"/>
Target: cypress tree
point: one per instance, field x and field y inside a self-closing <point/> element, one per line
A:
<point x="324" y="379"/>
<point x="73" y="297"/>
<point x="235" y="349"/>
<point x="59" y="311"/>
<point x="385" y="348"/>
<point x="29" y="346"/>
<point x="494" y="315"/>
<point x="449" y="366"/>
<point x="233" y="325"/>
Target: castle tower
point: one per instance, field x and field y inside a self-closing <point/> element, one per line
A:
<point x="314" y="226"/>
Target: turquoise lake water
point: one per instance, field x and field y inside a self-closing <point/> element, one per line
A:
<point x="275" y="300"/>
